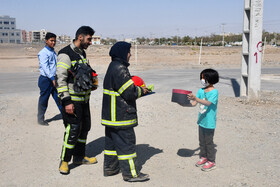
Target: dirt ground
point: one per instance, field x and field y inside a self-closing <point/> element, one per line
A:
<point x="247" y="135"/>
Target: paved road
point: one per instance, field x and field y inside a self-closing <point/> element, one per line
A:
<point x="18" y="82"/>
<point x="166" y="80"/>
<point x="163" y="80"/>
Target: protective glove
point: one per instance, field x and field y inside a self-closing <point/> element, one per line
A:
<point x="150" y="87"/>
<point x="83" y="77"/>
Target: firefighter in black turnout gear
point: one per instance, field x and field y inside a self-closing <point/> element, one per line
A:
<point x="74" y="84"/>
<point x="119" y="116"/>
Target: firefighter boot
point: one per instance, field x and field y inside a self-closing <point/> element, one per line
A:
<point x="84" y="160"/>
<point x="140" y="178"/>
<point x="108" y="172"/>
<point x="112" y="169"/>
<point x="63" y="168"/>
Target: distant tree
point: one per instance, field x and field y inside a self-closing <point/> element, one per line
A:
<point x="174" y="39"/>
<point x="163" y="40"/>
<point x="157" y="41"/>
<point x="216" y="38"/>
<point x="213" y="39"/>
<point x="141" y="40"/>
<point x="186" y="39"/>
<point x="233" y="38"/>
<point x="270" y="37"/>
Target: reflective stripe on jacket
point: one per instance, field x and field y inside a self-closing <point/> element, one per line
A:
<point x="119" y="97"/>
<point x="67" y="58"/>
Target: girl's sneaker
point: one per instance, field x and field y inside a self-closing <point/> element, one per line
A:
<point x="202" y="161"/>
<point x="208" y="166"/>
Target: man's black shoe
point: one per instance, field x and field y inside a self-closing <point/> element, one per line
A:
<point x="140" y="178"/>
<point x="44" y="123"/>
<point x="108" y="173"/>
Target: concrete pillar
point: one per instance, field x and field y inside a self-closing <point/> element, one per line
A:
<point x="252" y="49"/>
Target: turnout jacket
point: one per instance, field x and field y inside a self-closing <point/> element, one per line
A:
<point x="119" y="95"/>
<point x="66" y="60"/>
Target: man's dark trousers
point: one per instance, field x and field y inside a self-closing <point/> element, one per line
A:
<point x="46" y="89"/>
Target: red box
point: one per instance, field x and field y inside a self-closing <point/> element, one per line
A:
<point x="180" y="96"/>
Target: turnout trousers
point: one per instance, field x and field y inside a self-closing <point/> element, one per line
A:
<point x="120" y="152"/>
<point x="76" y="131"/>
<point x="46" y="89"/>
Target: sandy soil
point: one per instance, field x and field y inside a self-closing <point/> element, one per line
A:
<point x="247" y="135"/>
<point x="24" y="57"/>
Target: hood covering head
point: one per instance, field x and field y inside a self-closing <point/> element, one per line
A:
<point x="120" y="50"/>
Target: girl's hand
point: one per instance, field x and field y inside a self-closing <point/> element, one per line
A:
<point x="191" y="96"/>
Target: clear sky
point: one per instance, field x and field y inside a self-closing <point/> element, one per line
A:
<point x="136" y="18"/>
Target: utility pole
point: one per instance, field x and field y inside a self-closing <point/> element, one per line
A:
<point x="223" y="42"/>
<point x="250" y="84"/>
<point x="200" y="51"/>
<point x="195" y="36"/>
<point x="177" y="35"/>
<point x="136" y="57"/>
<point x="264" y="44"/>
<point x="151" y="37"/>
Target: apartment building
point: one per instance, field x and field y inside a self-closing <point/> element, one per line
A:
<point x="39" y="36"/>
<point x="96" y="40"/>
<point x="26" y="36"/>
<point x="64" y="39"/>
<point x="8" y="31"/>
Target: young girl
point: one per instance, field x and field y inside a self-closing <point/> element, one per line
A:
<point x="207" y="97"/>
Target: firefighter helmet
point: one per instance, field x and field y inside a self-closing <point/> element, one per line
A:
<point x="138" y="81"/>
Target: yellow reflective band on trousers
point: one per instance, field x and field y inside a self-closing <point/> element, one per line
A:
<point x="129" y="158"/>
<point x="126" y="157"/>
<point x="125" y="86"/>
<point x="118" y="123"/>
<point x="108" y="152"/>
<point x="132" y="168"/>
<point x="65" y="144"/>
<point x="82" y="140"/>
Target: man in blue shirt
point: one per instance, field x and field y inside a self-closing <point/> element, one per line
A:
<point x="47" y="66"/>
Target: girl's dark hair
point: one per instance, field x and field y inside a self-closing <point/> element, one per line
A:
<point x="50" y="35"/>
<point x="210" y="75"/>
<point x="84" y="30"/>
